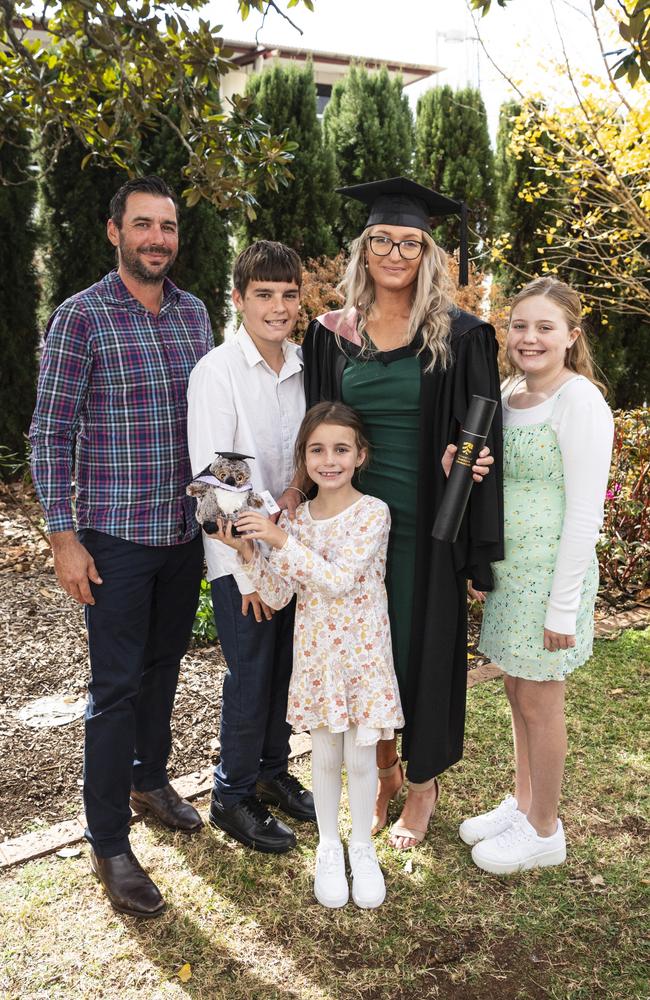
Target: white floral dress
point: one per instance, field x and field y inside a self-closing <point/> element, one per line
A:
<point x="343" y="671"/>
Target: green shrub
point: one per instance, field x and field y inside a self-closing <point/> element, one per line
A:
<point x="624" y="547"/>
<point x="204" y="631"/>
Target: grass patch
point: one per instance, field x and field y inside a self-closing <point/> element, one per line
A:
<point x="251" y="930"/>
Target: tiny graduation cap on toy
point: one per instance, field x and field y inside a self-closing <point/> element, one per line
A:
<point x="206" y="475"/>
<point x="401" y="202"/>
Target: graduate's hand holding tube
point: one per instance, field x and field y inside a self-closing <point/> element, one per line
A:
<point x="471" y="441"/>
<point x="479" y="471"/>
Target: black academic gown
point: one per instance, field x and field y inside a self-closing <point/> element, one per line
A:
<point x="437" y="670"/>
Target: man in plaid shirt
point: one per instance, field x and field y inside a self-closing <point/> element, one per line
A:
<point x="111" y="417"/>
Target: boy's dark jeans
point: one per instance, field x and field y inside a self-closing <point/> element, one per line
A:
<point x="254" y="730"/>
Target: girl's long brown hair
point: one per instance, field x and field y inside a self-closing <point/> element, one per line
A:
<point x="329" y="413"/>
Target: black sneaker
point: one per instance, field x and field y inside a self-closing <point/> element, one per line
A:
<point x="250" y="822"/>
<point x="286" y="792"/>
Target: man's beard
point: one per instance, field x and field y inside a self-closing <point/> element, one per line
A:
<point x="132" y="262"/>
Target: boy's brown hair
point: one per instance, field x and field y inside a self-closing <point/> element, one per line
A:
<point x="329" y="413"/>
<point x="266" y="260"/>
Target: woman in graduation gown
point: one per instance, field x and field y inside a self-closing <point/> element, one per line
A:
<point x="409" y="361"/>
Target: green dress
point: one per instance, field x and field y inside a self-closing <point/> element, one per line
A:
<point x="513" y="621"/>
<point x="386" y="393"/>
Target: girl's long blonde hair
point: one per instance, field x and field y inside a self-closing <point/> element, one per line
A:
<point x="579" y="358"/>
<point x="432" y="297"/>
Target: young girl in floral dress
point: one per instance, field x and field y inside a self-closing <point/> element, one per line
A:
<point x="343" y="687"/>
<point x="538" y="621"/>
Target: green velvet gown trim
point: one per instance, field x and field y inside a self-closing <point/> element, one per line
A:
<point x="387" y="395"/>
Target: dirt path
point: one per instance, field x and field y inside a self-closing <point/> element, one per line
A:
<point x="43" y="652"/>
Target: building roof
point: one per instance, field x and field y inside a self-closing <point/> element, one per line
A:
<point x="332" y="65"/>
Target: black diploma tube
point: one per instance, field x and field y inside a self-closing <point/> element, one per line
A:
<point x="459" y="484"/>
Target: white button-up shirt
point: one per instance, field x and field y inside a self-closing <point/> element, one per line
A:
<point x="236" y="402"/>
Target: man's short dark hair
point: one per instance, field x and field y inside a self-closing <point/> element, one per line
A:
<point x="266" y="260"/>
<point x="147" y="185"/>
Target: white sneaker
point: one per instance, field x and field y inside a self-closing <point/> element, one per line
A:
<point x="368" y="887"/>
<point x="330" y="884"/>
<point x="489" y="824"/>
<point x="519" y="848"/>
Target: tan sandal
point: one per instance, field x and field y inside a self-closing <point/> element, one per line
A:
<point x="380" y="819"/>
<point x="399" y="830"/>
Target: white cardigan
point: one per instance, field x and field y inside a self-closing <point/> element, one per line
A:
<point x="584" y="427"/>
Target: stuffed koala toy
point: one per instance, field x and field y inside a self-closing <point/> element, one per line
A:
<point x="224" y="490"/>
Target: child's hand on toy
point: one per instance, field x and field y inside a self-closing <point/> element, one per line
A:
<point x="224" y="534"/>
<point x="261" y="528"/>
<point x="557" y="640"/>
<point x="480" y="470"/>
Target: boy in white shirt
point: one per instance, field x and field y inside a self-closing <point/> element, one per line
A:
<point x="247" y="396"/>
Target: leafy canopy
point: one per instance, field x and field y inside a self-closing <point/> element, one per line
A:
<point x="104" y="69"/>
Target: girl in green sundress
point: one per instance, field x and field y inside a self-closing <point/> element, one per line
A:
<point x="538" y="621"/>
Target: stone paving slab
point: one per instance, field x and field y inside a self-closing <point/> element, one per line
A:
<point x="55" y="838"/>
<point x="612" y="625"/>
<point x="486" y="672"/>
<point x="198" y="783"/>
<point x="41" y="842"/>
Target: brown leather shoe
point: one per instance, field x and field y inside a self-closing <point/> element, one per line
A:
<point x="167" y="806"/>
<point x="127" y="885"/>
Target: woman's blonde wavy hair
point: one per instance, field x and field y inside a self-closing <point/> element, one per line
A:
<point x="432" y="297"/>
<point x="579" y="358"/>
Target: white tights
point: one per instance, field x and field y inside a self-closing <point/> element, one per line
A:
<point x="329" y="752"/>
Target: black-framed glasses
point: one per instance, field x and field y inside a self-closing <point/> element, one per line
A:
<point x="381" y="246"/>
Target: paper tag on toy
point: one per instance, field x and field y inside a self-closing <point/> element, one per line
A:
<point x="269" y="502"/>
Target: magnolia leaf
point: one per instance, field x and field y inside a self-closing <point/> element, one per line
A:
<point x="185" y="972"/>
<point x="192" y="197"/>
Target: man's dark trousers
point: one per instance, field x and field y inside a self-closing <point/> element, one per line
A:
<point x="138" y="631"/>
<point x="254" y="728"/>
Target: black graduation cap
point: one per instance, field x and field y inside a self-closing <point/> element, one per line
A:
<point x="233" y="455"/>
<point x="398" y="201"/>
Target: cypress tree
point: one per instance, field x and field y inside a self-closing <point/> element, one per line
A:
<point x="369" y="127"/>
<point x="514" y="216"/>
<point x="300" y="213"/>
<point x="18" y="294"/>
<point x="76" y="210"/>
<point x="453" y="156"/>
<point x="77" y="206"/>
<point x="203" y="263"/>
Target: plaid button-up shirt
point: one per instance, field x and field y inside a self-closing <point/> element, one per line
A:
<point x="112" y="387"/>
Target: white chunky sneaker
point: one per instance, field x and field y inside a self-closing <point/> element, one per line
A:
<point x="488" y="824"/>
<point x="330" y="884"/>
<point x="368" y="887"/>
<point x="519" y="848"/>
